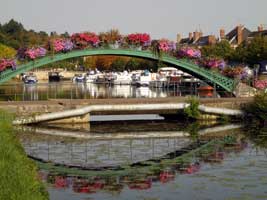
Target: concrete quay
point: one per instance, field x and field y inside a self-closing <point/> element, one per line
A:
<point x="30" y="108"/>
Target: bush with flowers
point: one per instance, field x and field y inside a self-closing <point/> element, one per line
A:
<point x="213" y="63"/>
<point x="167" y="45"/>
<point x="238" y="72"/>
<point x="189" y="52"/>
<point x="138" y="39"/>
<point x="83" y="40"/>
<point x="62" y="45"/>
<point x="6" y="64"/>
<point x="31" y="53"/>
<point x="260" y="84"/>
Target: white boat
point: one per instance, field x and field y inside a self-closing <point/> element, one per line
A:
<point x="144" y="79"/>
<point x="91" y="76"/>
<point x="78" y="78"/>
<point x="29" y="78"/>
<point x="123" y="78"/>
<point x="166" y="77"/>
<point x="188" y="79"/>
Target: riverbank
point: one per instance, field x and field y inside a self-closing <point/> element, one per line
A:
<point x="18" y="174"/>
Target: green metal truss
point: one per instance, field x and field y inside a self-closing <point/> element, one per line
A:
<point x="183" y="64"/>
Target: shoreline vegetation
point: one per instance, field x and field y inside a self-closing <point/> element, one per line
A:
<point x="18" y="174"/>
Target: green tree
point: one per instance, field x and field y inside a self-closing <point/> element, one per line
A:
<point x="132" y="64"/>
<point x="118" y="64"/>
<point x="7" y="52"/>
<point x="257" y="50"/>
<point x="219" y="50"/>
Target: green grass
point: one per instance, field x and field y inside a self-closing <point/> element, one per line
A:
<point x="18" y="174"/>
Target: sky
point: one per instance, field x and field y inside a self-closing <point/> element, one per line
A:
<point x="160" y="18"/>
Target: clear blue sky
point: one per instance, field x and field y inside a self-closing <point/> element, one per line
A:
<point x="160" y="18"/>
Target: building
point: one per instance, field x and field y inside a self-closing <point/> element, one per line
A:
<point x="236" y="36"/>
<point x="261" y="32"/>
<point x="196" y="39"/>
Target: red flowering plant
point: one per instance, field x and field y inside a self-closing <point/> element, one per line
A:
<point x="6" y="64"/>
<point x="138" y="39"/>
<point x="83" y="40"/>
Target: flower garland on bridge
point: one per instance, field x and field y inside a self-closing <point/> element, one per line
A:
<point x="142" y="40"/>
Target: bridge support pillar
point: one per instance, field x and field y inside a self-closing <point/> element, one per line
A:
<point x="72" y="120"/>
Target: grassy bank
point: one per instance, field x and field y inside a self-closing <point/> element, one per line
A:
<point x="18" y="174"/>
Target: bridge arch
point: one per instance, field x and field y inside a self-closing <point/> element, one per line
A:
<point x="185" y="65"/>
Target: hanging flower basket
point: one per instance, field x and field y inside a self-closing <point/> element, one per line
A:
<point x="83" y="40"/>
<point x="167" y="45"/>
<point x="189" y="52"/>
<point x="7" y="64"/>
<point x="138" y="39"/>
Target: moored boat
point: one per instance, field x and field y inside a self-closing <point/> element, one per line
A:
<point x="78" y="78"/>
<point x="29" y="78"/>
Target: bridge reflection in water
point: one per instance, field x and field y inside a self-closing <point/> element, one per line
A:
<point x="103" y="153"/>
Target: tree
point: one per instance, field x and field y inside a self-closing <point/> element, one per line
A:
<point x="119" y="64"/>
<point x="7" y="52"/>
<point x="132" y="64"/>
<point x="219" y="50"/>
<point x="256" y="50"/>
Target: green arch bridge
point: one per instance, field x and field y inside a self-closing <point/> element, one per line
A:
<point x="185" y="65"/>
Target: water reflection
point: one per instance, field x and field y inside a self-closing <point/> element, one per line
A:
<point x="68" y="90"/>
<point x="199" y="170"/>
<point x="111" y="184"/>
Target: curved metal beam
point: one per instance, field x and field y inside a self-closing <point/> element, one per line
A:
<point x="204" y="74"/>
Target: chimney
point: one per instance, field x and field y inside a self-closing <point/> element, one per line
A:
<point x="222" y="33"/>
<point x="196" y="35"/>
<point x="239" y="34"/>
<point x="260" y="28"/>
<point x="178" y="38"/>
<point x="190" y="36"/>
<point x="200" y="34"/>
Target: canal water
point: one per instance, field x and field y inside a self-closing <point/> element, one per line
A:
<point x="150" y="160"/>
<point x="69" y="90"/>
